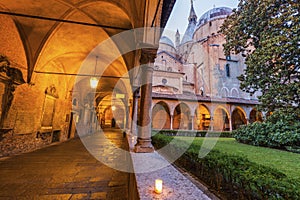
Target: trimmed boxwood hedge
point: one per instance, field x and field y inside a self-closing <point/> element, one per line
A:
<point x="190" y="133"/>
<point x="232" y="175"/>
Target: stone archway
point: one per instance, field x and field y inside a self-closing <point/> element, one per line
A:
<point x="238" y="118"/>
<point x="221" y="120"/>
<point x="255" y="116"/>
<point x="202" y="118"/>
<point x="161" y="118"/>
<point x="182" y="117"/>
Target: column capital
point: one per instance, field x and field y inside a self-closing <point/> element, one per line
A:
<point x="136" y="91"/>
<point x="148" y="55"/>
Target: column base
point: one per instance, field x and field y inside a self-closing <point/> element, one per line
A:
<point x="143" y="146"/>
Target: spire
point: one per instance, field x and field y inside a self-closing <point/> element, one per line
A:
<point x="177" y="38"/>
<point x="193" y="16"/>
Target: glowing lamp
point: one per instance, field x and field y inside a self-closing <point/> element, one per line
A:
<point x="158" y="186"/>
<point x="113" y="108"/>
<point x="94" y="82"/>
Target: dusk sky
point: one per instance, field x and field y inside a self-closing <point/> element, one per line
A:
<point x="179" y="16"/>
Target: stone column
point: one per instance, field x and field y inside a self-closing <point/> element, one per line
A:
<point x="192" y="119"/>
<point x="126" y="119"/>
<point x="247" y="121"/>
<point x="143" y="144"/>
<point x="136" y="96"/>
<point x="230" y="123"/>
<point x="171" y="123"/>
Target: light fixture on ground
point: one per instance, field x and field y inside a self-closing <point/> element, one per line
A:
<point x="94" y="80"/>
<point x="158" y="186"/>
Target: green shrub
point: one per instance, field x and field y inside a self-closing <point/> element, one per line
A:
<point x="233" y="175"/>
<point x="190" y="133"/>
<point x="278" y="131"/>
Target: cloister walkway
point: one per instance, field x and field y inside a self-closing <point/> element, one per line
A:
<point x="63" y="171"/>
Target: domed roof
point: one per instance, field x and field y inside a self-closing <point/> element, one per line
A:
<point x="215" y="13"/>
<point x="166" y="40"/>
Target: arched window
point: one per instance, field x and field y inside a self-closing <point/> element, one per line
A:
<point x="74" y="102"/>
<point x="227" y="68"/>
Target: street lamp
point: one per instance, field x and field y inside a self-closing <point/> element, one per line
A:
<point x="94" y="80"/>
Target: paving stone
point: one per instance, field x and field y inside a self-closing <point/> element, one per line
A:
<point x="64" y="171"/>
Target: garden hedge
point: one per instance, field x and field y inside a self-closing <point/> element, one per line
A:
<point x="195" y="133"/>
<point x="234" y="176"/>
<point x="278" y="131"/>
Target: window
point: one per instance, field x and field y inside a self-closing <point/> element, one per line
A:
<point x="74" y="102"/>
<point x="227" y="68"/>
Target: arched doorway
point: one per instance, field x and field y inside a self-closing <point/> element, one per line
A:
<point x="161" y="116"/>
<point x="111" y="112"/>
<point x="238" y="119"/>
<point x="182" y="117"/>
<point x="255" y="116"/>
<point x="202" y="118"/>
<point x="221" y="120"/>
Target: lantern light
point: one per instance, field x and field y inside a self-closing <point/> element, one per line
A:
<point x="158" y="186"/>
<point x="94" y="80"/>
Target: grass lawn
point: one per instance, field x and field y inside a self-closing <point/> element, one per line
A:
<point x="286" y="162"/>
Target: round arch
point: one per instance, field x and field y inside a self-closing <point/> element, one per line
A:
<point x="225" y="92"/>
<point x="221" y="119"/>
<point x="238" y="118"/>
<point x="111" y="112"/>
<point x="161" y="118"/>
<point x="234" y="93"/>
<point x="255" y="116"/>
<point x="181" y="117"/>
<point x="202" y="118"/>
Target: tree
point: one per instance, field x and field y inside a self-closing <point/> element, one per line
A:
<point x="267" y="34"/>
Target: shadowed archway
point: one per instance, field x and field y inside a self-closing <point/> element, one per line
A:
<point x="221" y="120"/>
<point x="238" y="118"/>
<point x="161" y="116"/>
<point x="182" y="115"/>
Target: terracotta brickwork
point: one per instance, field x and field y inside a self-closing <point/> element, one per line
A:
<point x="196" y="74"/>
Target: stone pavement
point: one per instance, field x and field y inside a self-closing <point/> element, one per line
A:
<point x="63" y="171"/>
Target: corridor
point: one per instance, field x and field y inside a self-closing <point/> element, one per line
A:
<point x="63" y="171"/>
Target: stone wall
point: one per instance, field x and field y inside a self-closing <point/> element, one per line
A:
<point x="11" y="144"/>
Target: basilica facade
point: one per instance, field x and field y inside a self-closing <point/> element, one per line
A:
<point x="195" y="86"/>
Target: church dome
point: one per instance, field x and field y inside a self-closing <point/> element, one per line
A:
<point x="215" y="13"/>
<point x="166" y="40"/>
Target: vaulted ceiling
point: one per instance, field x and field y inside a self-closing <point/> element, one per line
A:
<point x="61" y="36"/>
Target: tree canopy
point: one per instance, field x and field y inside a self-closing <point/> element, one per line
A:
<point x="267" y="34"/>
